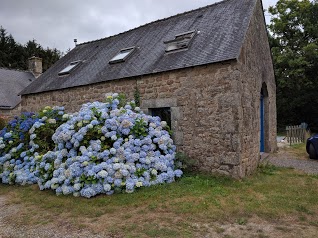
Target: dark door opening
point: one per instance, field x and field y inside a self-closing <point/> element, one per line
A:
<point x="262" y="125"/>
<point x="163" y="112"/>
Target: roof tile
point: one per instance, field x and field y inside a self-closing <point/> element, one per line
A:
<point x="12" y="82"/>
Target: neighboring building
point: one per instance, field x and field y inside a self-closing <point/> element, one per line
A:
<point x="12" y="82"/>
<point x="208" y="70"/>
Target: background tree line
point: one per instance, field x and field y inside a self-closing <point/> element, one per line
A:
<point x="293" y="33"/>
<point x="15" y="56"/>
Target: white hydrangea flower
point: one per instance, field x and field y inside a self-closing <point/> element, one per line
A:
<point x="139" y="184"/>
<point x="51" y="121"/>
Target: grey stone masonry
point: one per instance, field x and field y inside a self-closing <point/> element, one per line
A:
<point x="35" y="66"/>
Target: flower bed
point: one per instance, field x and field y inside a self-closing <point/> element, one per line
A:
<point x="22" y="142"/>
<point x="102" y="149"/>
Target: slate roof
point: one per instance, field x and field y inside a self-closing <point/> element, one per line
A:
<point x="12" y="82"/>
<point x="222" y="27"/>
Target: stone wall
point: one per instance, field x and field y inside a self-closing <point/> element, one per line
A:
<point x="209" y="117"/>
<point x="204" y="105"/>
<point x="9" y="114"/>
<point x="73" y="98"/>
<point x="256" y="69"/>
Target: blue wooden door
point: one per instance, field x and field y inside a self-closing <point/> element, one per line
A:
<point x="262" y="139"/>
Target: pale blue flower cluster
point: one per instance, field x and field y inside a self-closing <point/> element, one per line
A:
<point x="99" y="151"/>
<point x="102" y="149"/>
<point x="18" y="149"/>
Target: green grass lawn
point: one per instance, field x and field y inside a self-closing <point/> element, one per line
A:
<point x="300" y="148"/>
<point x="170" y="210"/>
<point x="298" y="151"/>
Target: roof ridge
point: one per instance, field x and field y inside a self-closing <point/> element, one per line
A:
<point x="18" y="70"/>
<point x="159" y="20"/>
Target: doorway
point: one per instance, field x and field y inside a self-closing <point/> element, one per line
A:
<point x="264" y="127"/>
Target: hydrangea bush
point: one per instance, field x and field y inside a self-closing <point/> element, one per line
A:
<point x="23" y="141"/>
<point x="104" y="148"/>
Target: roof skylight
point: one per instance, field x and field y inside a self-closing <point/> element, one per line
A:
<point x="69" y="68"/>
<point x="181" y="41"/>
<point x="122" y="55"/>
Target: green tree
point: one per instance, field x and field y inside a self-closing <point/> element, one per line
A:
<point x="3" y="47"/>
<point x="15" y="56"/>
<point x="294" y="43"/>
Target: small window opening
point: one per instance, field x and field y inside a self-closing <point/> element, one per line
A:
<point x="70" y="67"/>
<point x="163" y="112"/>
<point x="181" y="41"/>
<point x="122" y="55"/>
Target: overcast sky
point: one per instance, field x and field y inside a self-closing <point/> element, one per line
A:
<point x="55" y="23"/>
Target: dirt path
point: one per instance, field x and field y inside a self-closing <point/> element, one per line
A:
<point x="7" y="229"/>
<point x="258" y="229"/>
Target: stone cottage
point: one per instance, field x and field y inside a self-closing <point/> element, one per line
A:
<point x="12" y="82"/>
<point x="209" y="72"/>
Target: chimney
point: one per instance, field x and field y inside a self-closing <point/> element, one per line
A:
<point x="35" y="66"/>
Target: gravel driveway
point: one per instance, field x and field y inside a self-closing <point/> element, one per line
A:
<point x="285" y="159"/>
<point x="307" y="166"/>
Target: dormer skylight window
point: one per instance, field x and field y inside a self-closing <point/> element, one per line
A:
<point x="122" y="55"/>
<point x="69" y="68"/>
<point x="180" y="42"/>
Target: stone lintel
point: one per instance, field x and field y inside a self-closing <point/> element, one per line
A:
<point x="159" y="102"/>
